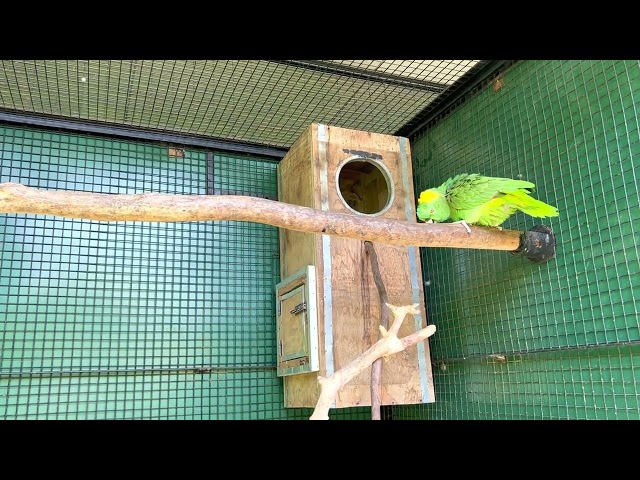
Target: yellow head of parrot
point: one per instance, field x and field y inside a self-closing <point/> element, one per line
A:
<point x="428" y="196"/>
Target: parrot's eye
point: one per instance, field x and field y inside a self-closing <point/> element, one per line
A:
<point x="431" y="211"/>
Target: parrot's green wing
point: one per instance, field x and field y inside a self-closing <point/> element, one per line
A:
<point x="467" y="191"/>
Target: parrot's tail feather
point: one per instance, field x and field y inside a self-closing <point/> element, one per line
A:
<point x="529" y="205"/>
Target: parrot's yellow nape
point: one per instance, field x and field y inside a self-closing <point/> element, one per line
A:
<point x="428" y="196"/>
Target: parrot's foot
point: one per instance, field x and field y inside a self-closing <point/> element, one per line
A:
<point x="465" y="225"/>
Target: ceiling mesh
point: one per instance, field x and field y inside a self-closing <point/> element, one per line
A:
<point x="255" y="101"/>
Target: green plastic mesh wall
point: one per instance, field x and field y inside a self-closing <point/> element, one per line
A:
<point x="561" y="340"/>
<point x="137" y="320"/>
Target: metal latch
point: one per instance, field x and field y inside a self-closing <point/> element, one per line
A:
<point x="301" y="307"/>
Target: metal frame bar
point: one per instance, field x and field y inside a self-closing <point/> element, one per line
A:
<point x="136" y="133"/>
<point x="368" y="75"/>
<point x="465" y="84"/>
<point x="210" y="174"/>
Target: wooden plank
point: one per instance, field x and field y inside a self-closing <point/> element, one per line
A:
<point x="301" y="391"/>
<point x="355" y="298"/>
<point x="298" y="185"/>
<point x="357" y="316"/>
<point x="297" y="249"/>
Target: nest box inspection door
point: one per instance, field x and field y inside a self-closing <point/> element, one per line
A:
<point x="297" y="325"/>
<point x="358" y="173"/>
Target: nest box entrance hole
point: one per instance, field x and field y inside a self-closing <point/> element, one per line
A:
<point x="364" y="186"/>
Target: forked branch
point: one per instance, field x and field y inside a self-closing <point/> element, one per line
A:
<point x="387" y="345"/>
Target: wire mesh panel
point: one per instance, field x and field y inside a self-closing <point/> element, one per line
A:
<point x="558" y="340"/>
<point x="258" y="101"/>
<point x="595" y="383"/>
<point x="138" y="320"/>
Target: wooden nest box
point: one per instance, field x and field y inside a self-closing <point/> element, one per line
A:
<point x="328" y="306"/>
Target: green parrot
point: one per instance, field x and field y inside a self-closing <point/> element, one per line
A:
<point x="471" y="198"/>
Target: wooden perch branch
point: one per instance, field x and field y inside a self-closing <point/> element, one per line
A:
<point x="376" y="367"/>
<point x="387" y="345"/>
<point x="156" y="207"/>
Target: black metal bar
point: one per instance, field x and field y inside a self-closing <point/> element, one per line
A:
<point x="509" y="355"/>
<point x="210" y="174"/>
<point x="367" y="75"/>
<point x="459" y="89"/>
<point x="88" y="126"/>
<point x="135" y="371"/>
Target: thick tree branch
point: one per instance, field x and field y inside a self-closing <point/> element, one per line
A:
<point x="387" y="345"/>
<point x="155" y="207"/>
